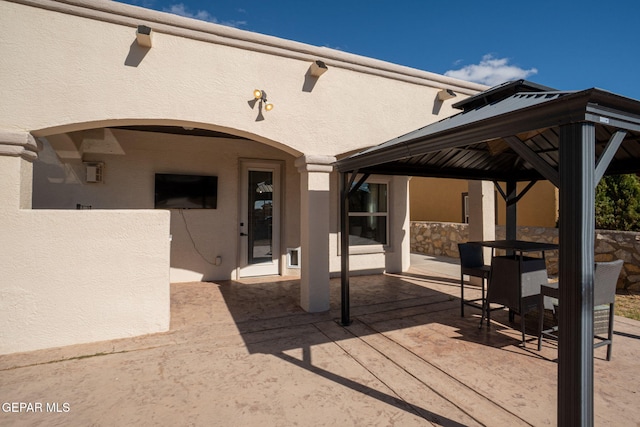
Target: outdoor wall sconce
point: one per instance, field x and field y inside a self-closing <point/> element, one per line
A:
<point x="261" y="96"/>
<point x="317" y="68"/>
<point x="94" y="172"/>
<point x="143" y="36"/>
<point x="445" y="94"/>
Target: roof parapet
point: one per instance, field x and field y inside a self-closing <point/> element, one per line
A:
<point x="162" y="22"/>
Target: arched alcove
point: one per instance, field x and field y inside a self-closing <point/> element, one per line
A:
<point x="206" y="242"/>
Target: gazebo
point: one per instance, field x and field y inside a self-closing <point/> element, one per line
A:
<point x="523" y="132"/>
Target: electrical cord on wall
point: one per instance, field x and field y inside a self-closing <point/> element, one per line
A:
<point x="186" y="226"/>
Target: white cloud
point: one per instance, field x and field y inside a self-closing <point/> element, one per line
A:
<point x="203" y="15"/>
<point x="491" y="71"/>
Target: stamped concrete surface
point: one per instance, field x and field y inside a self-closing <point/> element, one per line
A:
<point x="242" y="353"/>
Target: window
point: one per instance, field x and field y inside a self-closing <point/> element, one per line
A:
<point x="465" y="208"/>
<point x="368" y="215"/>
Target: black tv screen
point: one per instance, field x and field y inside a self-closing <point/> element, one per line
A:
<point x="186" y="191"/>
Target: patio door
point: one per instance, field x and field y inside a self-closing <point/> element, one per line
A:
<point x="260" y="201"/>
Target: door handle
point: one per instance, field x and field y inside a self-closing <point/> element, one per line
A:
<point x="243" y="234"/>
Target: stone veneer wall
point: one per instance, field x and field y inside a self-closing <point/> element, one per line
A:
<point x="442" y="238"/>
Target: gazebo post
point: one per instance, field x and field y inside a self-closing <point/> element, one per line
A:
<point x="512" y="210"/>
<point x="347" y="186"/>
<point x="576" y="265"/>
<point x="344" y="249"/>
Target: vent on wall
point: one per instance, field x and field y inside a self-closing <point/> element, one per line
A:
<point x="95" y="172"/>
<point x="293" y="257"/>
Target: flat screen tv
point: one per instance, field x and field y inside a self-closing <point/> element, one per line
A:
<point x="174" y="191"/>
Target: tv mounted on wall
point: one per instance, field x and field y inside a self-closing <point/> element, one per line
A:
<point x="174" y="191"/>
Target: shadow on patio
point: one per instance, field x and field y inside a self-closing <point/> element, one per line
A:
<point x="245" y="353"/>
<point x="409" y="348"/>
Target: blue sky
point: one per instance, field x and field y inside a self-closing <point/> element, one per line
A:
<point x="565" y="44"/>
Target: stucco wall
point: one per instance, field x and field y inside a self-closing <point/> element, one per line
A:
<point x="440" y="199"/>
<point x="437" y="199"/>
<point x="73" y="66"/>
<point x="537" y="208"/>
<point x="131" y="160"/>
<point x="84" y="70"/>
<point x="69" y="280"/>
<point x="83" y="73"/>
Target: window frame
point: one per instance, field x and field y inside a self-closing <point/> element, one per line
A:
<point x="465" y="207"/>
<point x="376" y="247"/>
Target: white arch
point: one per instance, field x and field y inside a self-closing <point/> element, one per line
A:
<point x="187" y="124"/>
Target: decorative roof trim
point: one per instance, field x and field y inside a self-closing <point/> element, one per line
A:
<point x="18" y="144"/>
<point x="161" y="22"/>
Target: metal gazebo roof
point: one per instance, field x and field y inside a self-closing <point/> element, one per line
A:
<point x="521" y="131"/>
<point x="489" y="139"/>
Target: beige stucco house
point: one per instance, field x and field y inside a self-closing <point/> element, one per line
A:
<point x="150" y="120"/>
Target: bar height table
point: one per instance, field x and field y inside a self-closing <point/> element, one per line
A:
<point x="514" y="281"/>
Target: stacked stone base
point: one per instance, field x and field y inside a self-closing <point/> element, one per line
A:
<point x="442" y="238"/>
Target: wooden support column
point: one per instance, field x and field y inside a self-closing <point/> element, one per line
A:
<point x="576" y="265"/>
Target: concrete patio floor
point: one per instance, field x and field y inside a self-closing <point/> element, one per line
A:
<point x="245" y="354"/>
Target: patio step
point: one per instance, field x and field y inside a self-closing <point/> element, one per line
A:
<point x="432" y="393"/>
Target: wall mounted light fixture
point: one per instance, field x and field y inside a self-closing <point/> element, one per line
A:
<point x="261" y="96"/>
<point x="143" y="36"/>
<point x="445" y="94"/>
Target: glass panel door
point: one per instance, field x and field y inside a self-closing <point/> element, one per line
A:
<point x="260" y="219"/>
<point x="260" y="197"/>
